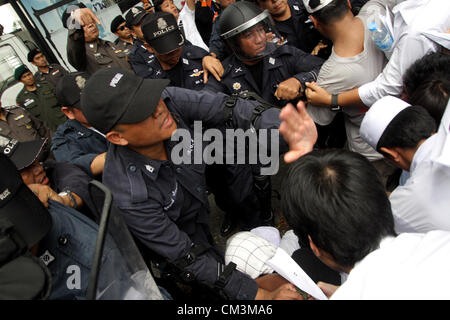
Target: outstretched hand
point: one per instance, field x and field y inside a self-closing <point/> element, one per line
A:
<point x="85" y="16"/>
<point x="298" y="130"/>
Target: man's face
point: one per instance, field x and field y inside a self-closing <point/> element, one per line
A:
<point x="155" y="129"/>
<point x="39" y="60"/>
<point x="225" y="3"/>
<point x="90" y="32"/>
<point x="34" y="174"/>
<point x="170" y="7"/>
<point x="123" y="32"/>
<point x="171" y="58"/>
<point x="253" y="41"/>
<point x="275" y="7"/>
<point x="27" y="78"/>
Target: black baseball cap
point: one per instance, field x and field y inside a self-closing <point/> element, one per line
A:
<point x="115" y="96"/>
<point x="161" y="32"/>
<point x="68" y="89"/>
<point x="117" y="21"/>
<point x="134" y="16"/>
<point x="20" y="206"/>
<point x="32" y="53"/>
<point x="22" y="154"/>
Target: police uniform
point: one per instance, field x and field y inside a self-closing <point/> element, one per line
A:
<point x="140" y="58"/>
<point x="285" y="62"/>
<point x="55" y="72"/>
<point x="165" y="205"/>
<point x="93" y="56"/>
<point x="124" y="46"/>
<point x="299" y="31"/>
<point x="78" y="145"/>
<point x="191" y="69"/>
<point x="21" y="125"/>
<point x="42" y="104"/>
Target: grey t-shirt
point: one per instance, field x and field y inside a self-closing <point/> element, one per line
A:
<point x="339" y="74"/>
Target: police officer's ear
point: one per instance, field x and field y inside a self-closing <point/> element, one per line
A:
<point x="68" y="112"/>
<point x="115" y="136"/>
<point x="315" y="22"/>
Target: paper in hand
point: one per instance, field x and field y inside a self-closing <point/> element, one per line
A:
<point x="286" y="267"/>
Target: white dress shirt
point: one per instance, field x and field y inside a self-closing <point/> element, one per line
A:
<point x="418" y="24"/>
<point x="423" y="202"/>
<point x="187" y="16"/>
<point x="411" y="266"/>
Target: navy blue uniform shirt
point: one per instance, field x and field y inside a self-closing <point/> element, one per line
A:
<point x="164" y="204"/>
<point x="284" y="63"/>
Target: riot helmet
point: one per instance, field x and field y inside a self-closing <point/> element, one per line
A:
<point x="249" y="32"/>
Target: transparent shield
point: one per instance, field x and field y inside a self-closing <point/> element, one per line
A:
<point x="123" y="274"/>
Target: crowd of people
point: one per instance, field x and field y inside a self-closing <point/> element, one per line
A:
<point x="367" y="218"/>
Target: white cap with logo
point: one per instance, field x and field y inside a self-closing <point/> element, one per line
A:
<point x="315" y="5"/>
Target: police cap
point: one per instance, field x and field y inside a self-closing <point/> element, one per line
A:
<point x="114" y="96"/>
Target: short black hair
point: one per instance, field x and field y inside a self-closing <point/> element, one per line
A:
<point x="407" y="129"/>
<point x="337" y="198"/>
<point x="433" y="95"/>
<point x="157" y="5"/>
<point x="427" y="83"/>
<point x="333" y="11"/>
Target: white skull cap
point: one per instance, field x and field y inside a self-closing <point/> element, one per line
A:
<point x="379" y="116"/>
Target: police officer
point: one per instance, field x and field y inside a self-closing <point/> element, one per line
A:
<point x="276" y="73"/>
<point x="85" y="50"/>
<point x="75" y="141"/>
<point x="46" y="72"/>
<point x="17" y="123"/>
<point x="39" y="99"/>
<point x="182" y="65"/>
<point x="177" y="61"/>
<point x="165" y="204"/>
<point x="140" y="57"/>
<point x="124" y="39"/>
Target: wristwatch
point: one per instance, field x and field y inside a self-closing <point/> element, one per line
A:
<point x="68" y="193"/>
<point x="334" y="103"/>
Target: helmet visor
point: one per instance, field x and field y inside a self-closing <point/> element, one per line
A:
<point x="256" y="38"/>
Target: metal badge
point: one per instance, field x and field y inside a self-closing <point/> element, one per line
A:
<point x="47" y="258"/>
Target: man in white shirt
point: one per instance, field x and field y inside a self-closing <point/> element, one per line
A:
<point x="419" y="27"/>
<point x="404" y="134"/>
<point x="335" y="202"/>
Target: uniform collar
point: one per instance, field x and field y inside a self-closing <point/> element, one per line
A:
<point x="135" y="161"/>
<point x="50" y="68"/>
<point x="422" y="153"/>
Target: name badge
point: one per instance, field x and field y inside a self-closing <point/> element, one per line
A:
<point x="28" y="102"/>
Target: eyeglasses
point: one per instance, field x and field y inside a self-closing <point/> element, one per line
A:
<point x="121" y="28"/>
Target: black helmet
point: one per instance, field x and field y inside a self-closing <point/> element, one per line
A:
<point x="244" y="19"/>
